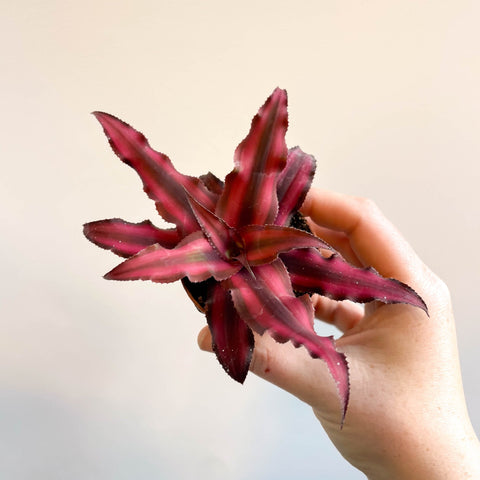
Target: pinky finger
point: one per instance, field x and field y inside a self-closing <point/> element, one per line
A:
<point x="344" y="315"/>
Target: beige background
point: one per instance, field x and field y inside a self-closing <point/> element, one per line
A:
<point x="104" y="380"/>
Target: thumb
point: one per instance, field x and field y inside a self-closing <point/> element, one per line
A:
<point x="289" y="368"/>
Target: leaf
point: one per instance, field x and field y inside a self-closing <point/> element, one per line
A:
<point x="162" y="182"/>
<point x="213" y="183"/>
<point x="335" y="278"/>
<point x="263" y="243"/>
<point x="267" y="303"/>
<point x="293" y="184"/>
<point x="127" y="239"/>
<point x="194" y="258"/>
<point x="223" y="238"/>
<point x="232" y="339"/>
<point x="249" y="196"/>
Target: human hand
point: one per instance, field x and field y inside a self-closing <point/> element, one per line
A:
<point x="407" y="417"/>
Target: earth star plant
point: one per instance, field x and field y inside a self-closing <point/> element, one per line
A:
<point x="235" y="245"/>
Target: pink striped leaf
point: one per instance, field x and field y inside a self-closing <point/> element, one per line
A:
<point x="249" y="196"/>
<point x="263" y="243"/>
<point x="162" y="182"/>
<point x="193" y="258"/>
<point x="223" y="238"/>
<point x="253" y="244"/>
<point x="232" y="339"/>
<point x="293" y="184"/>
<point x="333" y="277"/>
<point x="127" y="239"/>
<point x="267" y="303"/>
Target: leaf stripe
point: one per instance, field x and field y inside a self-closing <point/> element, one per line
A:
<point x="232" y="339"/>
<point x="194" y="258"/>
<point x="224" y="239"/>
<point x="162" y="182"/>
<point x="293" y="183"/>
<point x="125" y="238"/>
<point x="285" y="317"/>
<point x="335" y="278"/>
<point x="263" y="243"/>
<point x="249" y="196"/>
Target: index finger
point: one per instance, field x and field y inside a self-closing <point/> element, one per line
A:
<point x="375" y="241"/>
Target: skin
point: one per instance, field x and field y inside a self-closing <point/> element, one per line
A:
<point x="407" y="417"/>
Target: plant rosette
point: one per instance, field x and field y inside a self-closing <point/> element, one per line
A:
<point x="240" y="248"/>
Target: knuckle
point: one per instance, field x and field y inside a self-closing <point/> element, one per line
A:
<point x="367" y="205"/>
<point x="441" y="288"/>
<point x="367" y="209"/>
<point x="263" y="359"/>
<point x="260" y="363"/>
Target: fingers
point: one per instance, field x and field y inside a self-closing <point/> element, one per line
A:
<point x="361" y="233"/>
<point x="343" y="315"/>
<point x="289" y="368"/>
<point x="295" y="371"/>
<point x="373" y="239"/>
<point x="338" y="240"/>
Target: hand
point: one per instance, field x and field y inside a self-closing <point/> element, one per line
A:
<point x="407" y="417"/>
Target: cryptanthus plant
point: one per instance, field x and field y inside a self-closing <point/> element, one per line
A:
<point x="240" y="248"/>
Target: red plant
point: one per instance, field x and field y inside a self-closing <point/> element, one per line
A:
<point x="234" y="247"/>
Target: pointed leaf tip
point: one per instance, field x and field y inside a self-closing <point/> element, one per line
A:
<point x="161" y="181"/>
<point x="249" y="196"/>
<point x="193" y="257"/>
<point x="333" y="277"/>
<point x="267" y="303"/>
<point x="232" y="339"/>
<point x="125" y="238"/>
